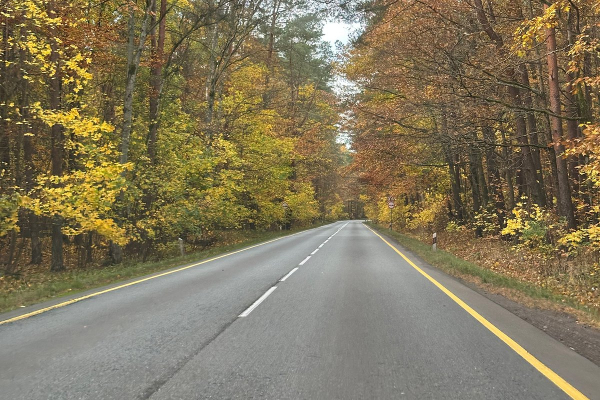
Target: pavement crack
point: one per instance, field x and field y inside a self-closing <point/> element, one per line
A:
<point x="157" y="384"/>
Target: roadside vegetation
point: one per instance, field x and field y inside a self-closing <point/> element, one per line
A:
<point x="481" y="121"/>
<point x="125" y="126"/>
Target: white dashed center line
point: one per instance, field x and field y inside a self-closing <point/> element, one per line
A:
<point x="288" y="274"/>
<point x="257" y="302"/>
<point x="305" y="260"/>
<point x="271" y="290"/>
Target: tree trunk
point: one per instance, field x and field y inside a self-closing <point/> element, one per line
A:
<point x="4" y="132"/>
<point x="156" y="81"/>
<point x="211" y="79"/>
<point x="573" y="112"/>
<point x="270" y="50"/>
<point x="134" y="55"/>
<point x="493" y="175"/>
<point x="57" y="263"/>
<point x="542" y="102"/>
<point x="89" y="247"/>
<point x="533" y="186"/>
<point x="453" y="170"/>
<point x="475" y="188"/>
<point x="533" y="135"/>
<point x="508" y="172"/>
<point x="565" y="204"/>
<point x="547" y="134"/>
<point x="483" y="189"/>
<point x="10" y="257"/>
<point x="29" y="168"/>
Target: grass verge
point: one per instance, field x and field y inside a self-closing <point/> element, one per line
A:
<point x="463" y="269"/>
<point x="48" y="285"/>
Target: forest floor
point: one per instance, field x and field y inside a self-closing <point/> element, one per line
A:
<point x="32" y="284"/>
<point x="493" y="268"/>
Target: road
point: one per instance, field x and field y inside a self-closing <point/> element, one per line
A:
<point x="354" y="320"/>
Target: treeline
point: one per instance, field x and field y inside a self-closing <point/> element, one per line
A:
<point x="482" y="114"/>
<point x="126" y="125"/>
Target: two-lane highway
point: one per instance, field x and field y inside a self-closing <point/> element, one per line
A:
<point x="330" y="313"/>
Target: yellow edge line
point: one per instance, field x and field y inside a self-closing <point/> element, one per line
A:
<point x="66" y="303"/>
<point x="537" y="364"/>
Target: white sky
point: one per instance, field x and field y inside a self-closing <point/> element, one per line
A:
<point x="333" y="31"/>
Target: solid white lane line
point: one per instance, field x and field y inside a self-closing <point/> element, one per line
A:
<point x="313" y="253"/>
<point x="257" y="302"/>
<point x="305" y="260"/>
<point x="288" y="274"/>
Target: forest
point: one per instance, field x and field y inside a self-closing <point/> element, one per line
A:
<point x="481" y="118"/>
<point x="125" y="125"/>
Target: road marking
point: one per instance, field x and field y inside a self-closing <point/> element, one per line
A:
<point x="288" y="274"/>
<point x="313" y="253"/>
<point x="257" y="302"/>
<point x="78" y="299"/>
<point x="305" y="260"/>
<point x="537" y="364"/>
<point x="321" y="245"/>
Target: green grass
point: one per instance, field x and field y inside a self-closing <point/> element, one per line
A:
<point x="455" y="266"/>
<point x="50" y="285"/>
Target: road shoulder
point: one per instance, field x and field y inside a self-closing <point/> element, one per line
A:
<point x="543" y="314"/>
<point x="551" y="351"/>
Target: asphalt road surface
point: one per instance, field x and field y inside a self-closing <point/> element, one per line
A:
<point x="330" y="313"/>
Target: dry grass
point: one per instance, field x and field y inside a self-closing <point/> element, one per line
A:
<point x="575" y="278"/>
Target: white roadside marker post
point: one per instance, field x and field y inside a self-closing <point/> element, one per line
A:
<point x="181" y="248"/>
<point x="434" y="246"/>
<point x="391" y="205"/>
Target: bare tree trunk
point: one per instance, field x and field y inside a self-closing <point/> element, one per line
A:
<point x="565" y="204"/>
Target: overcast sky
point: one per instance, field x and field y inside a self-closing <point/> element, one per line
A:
<point x="333" y="31"/>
